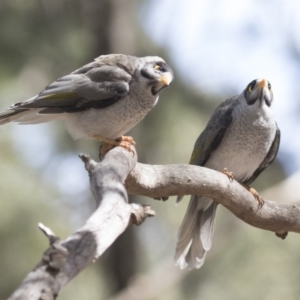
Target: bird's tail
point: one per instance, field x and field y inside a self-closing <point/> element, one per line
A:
<point x="25" y="116"/>
<point x="195" y="233"/>
<point x="9" y="116"/>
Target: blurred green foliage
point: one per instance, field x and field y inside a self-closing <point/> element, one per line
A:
<point x="42" y="40"/>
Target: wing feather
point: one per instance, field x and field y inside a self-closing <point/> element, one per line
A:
<point x="96" y="85"/>
<point x="214" y="132"/>
<point x="269" y="158"/>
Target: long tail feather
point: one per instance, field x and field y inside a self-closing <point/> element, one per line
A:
<point x="26" y="116"/>
<point x="195" y="233"/>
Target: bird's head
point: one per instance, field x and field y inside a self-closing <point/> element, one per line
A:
<point x="156" y="73"/>
<point x="259" y="90"/>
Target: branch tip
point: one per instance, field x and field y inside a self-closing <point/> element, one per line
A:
<point x="282" y="235"/>
<point x="48" y="233"/>
<point x="148" y="210"/>
<point x="140" y="212"/>
<point x="89" y="163"/>
<point x="84" y="157"/>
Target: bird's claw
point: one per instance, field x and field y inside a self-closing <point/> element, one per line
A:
<point x="123" y="141"/>
<point x="126" y="139"/>
<point x="230" y="175"/>
<point x="126" y="142"/>
<point x="256" y="195"/>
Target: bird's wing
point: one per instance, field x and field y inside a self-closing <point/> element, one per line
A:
<point x="96" y="85"/>
<point x="214" y="132"/>
<point x="269" y="158"/>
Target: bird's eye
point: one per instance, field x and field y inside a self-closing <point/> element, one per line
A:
<point x="251" y="86"/>
<point x="269" y="86"/>
<point x="158" y="68"/>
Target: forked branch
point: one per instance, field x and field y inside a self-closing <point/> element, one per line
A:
<point x="66" y="258"/>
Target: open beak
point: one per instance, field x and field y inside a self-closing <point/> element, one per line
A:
<point x="166" y="79"/>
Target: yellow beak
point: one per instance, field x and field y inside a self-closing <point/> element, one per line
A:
<point x="262" y="84"/>
<point x="166" y="79"/>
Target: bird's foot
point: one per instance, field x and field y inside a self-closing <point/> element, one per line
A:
<point x="256" y="195"/>
<point x="230" y="175"/>
<point x="124" y="141"/>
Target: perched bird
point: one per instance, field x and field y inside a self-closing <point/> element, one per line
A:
<point x="241" y="136"/>
<point x="101" y="100"/>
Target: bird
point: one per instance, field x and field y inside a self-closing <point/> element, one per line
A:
<point x="102" y="100"/>
<point x="241" y="139"/>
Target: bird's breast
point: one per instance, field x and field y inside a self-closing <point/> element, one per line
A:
<point x="244" y="146"/>
<point x="111" y="122"/>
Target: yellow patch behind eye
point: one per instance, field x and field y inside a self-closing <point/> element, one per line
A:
<point x="250" y="89"/>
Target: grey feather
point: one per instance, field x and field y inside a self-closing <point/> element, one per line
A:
<point x="214" y="132"/>
<point x="106" y="97"/>
<point x="241" y="135"/>
<point x="5" y="116"/>
<point x="269" y="158"/>
<point x="195" y="233"/>
<point x="82" y="90"/>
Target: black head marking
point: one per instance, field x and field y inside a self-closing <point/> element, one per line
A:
<point x="256" y="90"/>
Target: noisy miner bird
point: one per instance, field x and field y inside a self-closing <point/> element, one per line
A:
<point x="102" y="100"/>
<point x="241" y="137"/>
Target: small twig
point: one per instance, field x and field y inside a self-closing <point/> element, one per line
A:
<point x="65" y="259"/>
<point x="48" y="233"/>
<point x="140" y="212"/>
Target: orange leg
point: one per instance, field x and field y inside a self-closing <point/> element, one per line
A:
<point x="230" y="175"/>
<point x="124" y="141"/>
<point x="253" y="191"/>
<point x="256" y="195"/>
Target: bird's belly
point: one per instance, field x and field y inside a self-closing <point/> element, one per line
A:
<point x="241" y="164"/>
<point x="242" y="156"/>
<point x="111" y="122"/>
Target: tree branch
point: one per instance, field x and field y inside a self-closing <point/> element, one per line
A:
<point x="162" y="181"/>
<point x="65" y="259"/>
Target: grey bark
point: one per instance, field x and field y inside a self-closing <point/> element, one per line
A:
<point x="162" y="181"/>
<point x="64" y="259"/>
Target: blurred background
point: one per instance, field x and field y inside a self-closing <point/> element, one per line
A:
<point x="216" y="47"/>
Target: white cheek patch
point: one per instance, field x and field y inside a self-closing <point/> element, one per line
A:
<point x="156" y="100"/>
